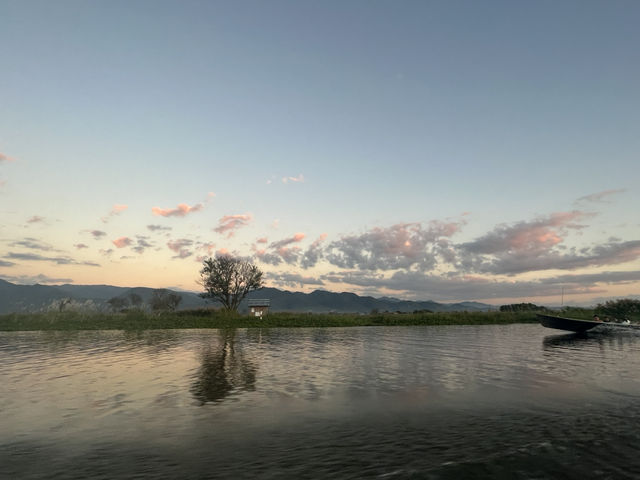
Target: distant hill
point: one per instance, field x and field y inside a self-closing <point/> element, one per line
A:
<point x="33" y="298"/>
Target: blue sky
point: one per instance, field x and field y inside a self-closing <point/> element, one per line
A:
<point x="426" y="150"/>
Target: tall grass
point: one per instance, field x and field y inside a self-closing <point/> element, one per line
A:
<point x="138" y="320"/>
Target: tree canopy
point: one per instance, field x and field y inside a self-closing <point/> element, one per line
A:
<point x="229" y="279"/>
<point x="619" y="308"/>
<point x="521" y="307"/>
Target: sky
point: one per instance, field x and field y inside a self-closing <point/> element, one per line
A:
<point x="424" y="150"/>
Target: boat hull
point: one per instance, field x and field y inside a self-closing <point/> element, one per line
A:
<point x="568" y="324"/>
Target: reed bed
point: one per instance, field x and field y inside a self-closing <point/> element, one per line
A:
<point x="140" y="320"/>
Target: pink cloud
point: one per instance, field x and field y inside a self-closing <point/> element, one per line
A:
<point x="122" y="242"/>
<point x="117" y="209"/>
<point x="222" y="251"/>
<point x="230" y="223"/>
<point x="6" y="158"/>
<point x="298" y="237"/>
<point x="289" y="254"/>
<point x="209" y="247"/>
<point x="536" y="236"/>
<point x="36" y="219"/>
<point x="404" y="245"/>
<point x="180" y="211"/>
<point x="298" y="179"/>
<point x="262" y="240"/>
<point x="319" y="240"/>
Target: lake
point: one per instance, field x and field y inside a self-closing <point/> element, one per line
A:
<point x="445" y="402"/>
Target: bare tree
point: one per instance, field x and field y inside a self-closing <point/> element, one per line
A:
<point x="135" y="300"/>
<point x="63" y="303"/>
<point x="163" y="299"/>
<point x="228" y="279"/>
<point x="117" y="304"/>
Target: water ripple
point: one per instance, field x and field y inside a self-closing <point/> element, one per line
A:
<point x="430" y="402"/>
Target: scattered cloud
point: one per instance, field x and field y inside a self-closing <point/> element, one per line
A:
<point x="293" y="280"/>
<point x="81" y="246"/>
<point x="37" y="279"/>
<point x="404" y="245"/>
<point x="33" y="244"/>
<point x="230" y="223"/>
<point x="298" y="179"/>
<point x="600" y="197"/>
<point x="268" y="258"/>
<point x="6" y="158"/>
<point x="159" y="228"/>
<point x="36" y="219"/>
<point x="142" y="243"/>
<point x="538" y="245"/>
<point x="421" y="285"/>
<point x="122" y="242"/>
<point x="512" y="263"/>
<point x="298" y="237"/>
<point x="314" y="253"/>
<point x="180" y="211"/>
<point x="117" y="209"/>
<point x="262" y="240"/>
<point x="59" y="260"/>
<point x="208" y="246"/>
<point x="180" y="247"/>
<point x="4" y="263"/>
<point x="282" y="251"/>
<point x="535" y="236"/>
<point x="97" y="234"/>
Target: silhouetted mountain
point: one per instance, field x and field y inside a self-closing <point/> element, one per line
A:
<point x="26" y="298"/>
<point x="33" y="298"/>
<point x="321" y="301"/>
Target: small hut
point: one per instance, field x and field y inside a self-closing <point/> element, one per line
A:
<point x="259" y="307"/>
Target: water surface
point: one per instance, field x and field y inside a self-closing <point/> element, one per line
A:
<point x="514" y="401"/>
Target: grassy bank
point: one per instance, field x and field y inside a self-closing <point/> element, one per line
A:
<point x="145" y="321"/>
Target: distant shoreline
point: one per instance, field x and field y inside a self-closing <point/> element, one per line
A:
<point x="139" y="320"/>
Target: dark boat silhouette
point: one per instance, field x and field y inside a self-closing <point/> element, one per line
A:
<point x="577" y="325"/>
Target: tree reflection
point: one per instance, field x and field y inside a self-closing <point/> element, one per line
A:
<point x="224" y="370"/>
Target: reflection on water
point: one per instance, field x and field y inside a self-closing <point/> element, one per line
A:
<point x="511" y="401"/>
<point x="224" y="370"/>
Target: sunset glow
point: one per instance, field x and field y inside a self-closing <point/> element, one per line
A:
<point x="433" y="151"/>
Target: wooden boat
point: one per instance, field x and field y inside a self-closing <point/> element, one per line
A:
<point x="576" y="325"/>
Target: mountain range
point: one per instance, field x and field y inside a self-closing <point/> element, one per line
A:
<point x="34" y="298"/>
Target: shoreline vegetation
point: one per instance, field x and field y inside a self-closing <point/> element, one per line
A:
<point x="193" y="319"/>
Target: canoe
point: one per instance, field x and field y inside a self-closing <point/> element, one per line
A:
<point x="576" y="325"/>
